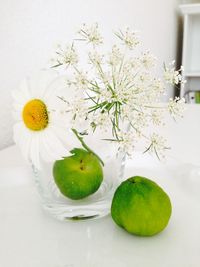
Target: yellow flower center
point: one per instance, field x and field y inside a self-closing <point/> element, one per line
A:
<point x="35" y="115"/>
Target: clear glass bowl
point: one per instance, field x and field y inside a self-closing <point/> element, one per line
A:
<point x="96" y="205"/>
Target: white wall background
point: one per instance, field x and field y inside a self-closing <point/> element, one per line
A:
<point x="28" y="30"/>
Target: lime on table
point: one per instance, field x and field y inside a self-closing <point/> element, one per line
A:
<point x="141" y="207"/>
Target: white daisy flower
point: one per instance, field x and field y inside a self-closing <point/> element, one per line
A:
<point x="39" y="131"/>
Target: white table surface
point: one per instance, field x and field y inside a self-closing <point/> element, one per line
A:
<point x="30" y="238"/>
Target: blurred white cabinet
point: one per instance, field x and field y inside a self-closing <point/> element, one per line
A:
<point x="191" y="47"/>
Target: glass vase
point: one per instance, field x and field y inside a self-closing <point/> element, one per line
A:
<point x="94" y="206"/>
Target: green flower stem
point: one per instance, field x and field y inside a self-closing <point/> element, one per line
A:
<point x="85" y="146"/>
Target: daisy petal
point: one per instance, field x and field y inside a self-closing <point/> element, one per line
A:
<point x="23" y="139"/>
<point x="22" y="95"/>
<point x="34" y="150"/>
<point x="40" y="81"/>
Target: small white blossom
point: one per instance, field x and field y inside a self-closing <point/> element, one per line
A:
<point x="91" y="34"/>
<point x="173" y="76"/>
<point x="66" y="56"/>
<point x="121" y="94"/>
<point x="156" y="116"/>
<point x="115" y="57"/>
<point x="101" y="120"/>
<point x="176" y="107"/>
<point x="95" y="58"/>
<point x="143" y="81"/>
<point x="127" y="111"/>
<point x="140" y="121"/>
<point x="157" y="145"/>
<point x="131" y="65"/>
<point x="78" y="109"/>
<point x="129" y="38"/>
<point x="127" y="142"/>
<point x="81" y="80"/>
<point x="105" y="77"/>
<point x="144" y="77"/>
<point x="157" y="86"/>
<point x="106" y="95"/>
<point x="147" y="60"/>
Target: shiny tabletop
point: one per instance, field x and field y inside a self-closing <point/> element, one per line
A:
<point x="31" y="238"/>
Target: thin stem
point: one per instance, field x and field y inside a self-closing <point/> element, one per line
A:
<point x="138" y="131"/>
<point x="85" y="146"/>
<point x="113" y="78"/>
<point x="155" y="107"/>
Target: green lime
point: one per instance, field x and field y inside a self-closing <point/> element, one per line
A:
<point x="141" y="207"/>
<point x="79" y="175"/>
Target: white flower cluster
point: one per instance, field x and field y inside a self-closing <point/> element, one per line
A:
<point x="78" y="109"/>
<point x="80" y="80"/>
<point x="65" y="56"/>
<point x="91" y="34"/>
<point x="173" y="76"/>
<point x="95" y="58"/>
<point x="126" y="142"/>
<point x="115" y="56"/>
<point x="101" y="120"/>
<point x="128" y="37"/>
<point x="147" y="60"/>
<point x="176" y="107"/>
<point x="120" y="89"/>
<point x="157" y="145"/>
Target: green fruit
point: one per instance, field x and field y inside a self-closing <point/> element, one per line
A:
<point x="141" y="207"/>
<point x="79" y="175"/>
